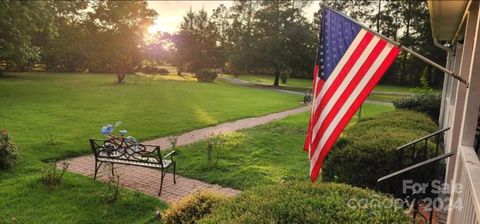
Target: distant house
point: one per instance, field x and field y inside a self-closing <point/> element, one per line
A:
<point x="455" y="26"/>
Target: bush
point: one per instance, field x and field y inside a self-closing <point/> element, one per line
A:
<point x="163" y="71"/>
<point x="284" y="78"/>
<point x="366" y="151"/>
<point x="206" y="75"/>
<point x="149" y="70"/>
<point x="8" y="150"/>
<point x="51" y="178"/>
<point x="428" y="103"/>
<point x="192" y="208"/>
<point x="304" y="202"/>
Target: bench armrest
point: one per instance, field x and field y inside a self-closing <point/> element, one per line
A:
<point x="148" y="145"/>
<point x="171" y="154"/>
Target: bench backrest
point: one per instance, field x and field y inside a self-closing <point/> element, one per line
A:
<point x="126" y="151"/>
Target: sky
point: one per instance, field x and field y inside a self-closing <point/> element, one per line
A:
<point x="170" y="13"/>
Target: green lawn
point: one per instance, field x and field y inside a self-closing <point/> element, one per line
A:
<point x="51" y="116"/>
<point x="263" y="155"/>
<point x="383" y="97"/>
<point x="70" y="108"/>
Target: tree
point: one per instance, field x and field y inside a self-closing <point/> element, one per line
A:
<point x="242" y="54"/>
<point x="196" y="44"/>
<point x="157" y="51"/>
<point x="20" y="22"/>
<point x="282" y="34"/>
<point x="404" y="21"/>
<point x="118" y="30"/>
<point x="66" y="52"/>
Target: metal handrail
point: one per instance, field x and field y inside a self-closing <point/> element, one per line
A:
<point x="415" y="163"/>
<point x="423" y="138"/>
<point x="396" y="173"/>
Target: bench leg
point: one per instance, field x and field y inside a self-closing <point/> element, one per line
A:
<point x="174" y="172"/>
<point x="97" y="167"/>
<point x="161" y="183"/>
<point x="113" y="174"/>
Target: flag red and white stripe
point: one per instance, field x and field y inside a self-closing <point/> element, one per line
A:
<point x="340" y="91"/>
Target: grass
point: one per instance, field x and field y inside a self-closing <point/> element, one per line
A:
<point x="263" y="155"/>
<point x="52" y="115"/>
<point x="77" y="200"/>
<point x="383" y="97"/>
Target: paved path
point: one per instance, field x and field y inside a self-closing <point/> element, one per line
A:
<point x="147" y="180"/>
<point x="199" y="134"/>
<point x="266" y="86"/>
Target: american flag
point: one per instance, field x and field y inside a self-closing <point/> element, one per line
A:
<point x="351" y="60"/>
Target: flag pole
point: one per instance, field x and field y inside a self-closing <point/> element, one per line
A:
<point x="409" y="50"/>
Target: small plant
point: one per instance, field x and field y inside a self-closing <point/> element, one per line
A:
<point x="212" y="143"/>
<point x="424" y="88"/>
<point x="113" y="185"/>
<point x="51" y="177"/>
<point x="206" y="75"/>
<point x="50" y="140"/>
<point x="173" y="141"/>
<point x="8" y="150"/>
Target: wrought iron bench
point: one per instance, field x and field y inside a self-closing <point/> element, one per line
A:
<point x="136" y="154"/>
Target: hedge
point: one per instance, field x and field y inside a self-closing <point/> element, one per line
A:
<point x="428" y="103"/>
<point x="191" y="208"/>
<point x="366" y="151"/>
<point x="305" y="202"/>
<point x="206" y="75"/>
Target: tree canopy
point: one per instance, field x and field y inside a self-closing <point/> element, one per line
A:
<point x="260" y="37"/>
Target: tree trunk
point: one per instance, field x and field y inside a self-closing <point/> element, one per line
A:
<point x="180" y="70"/>
<point x="277" y="78"/>
<point x="403" y="69"/>
<point x="378" y="14"/>
<point x="120" y="76"/>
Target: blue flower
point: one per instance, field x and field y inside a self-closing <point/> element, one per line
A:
<point x="107" y="129"/>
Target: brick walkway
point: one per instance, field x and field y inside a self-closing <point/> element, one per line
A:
<point x="147" y="180"/>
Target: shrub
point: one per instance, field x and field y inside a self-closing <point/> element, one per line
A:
<point x="366" y="151"/>
<point x="51" y="177"/>
<point x="213" y="143"/>
<point x="206" y="75"/>
<point x="149" y="70"/>
<point x="284" y="77"/>
<point x="192" y="208"/>
<point x="428" y="103"/>
<point x="304" y="202"/>
<point x="8" y="150"/>
<point x="112" y="193"/>
<point x="173" y="141"/>
<point x="163" y="71"/>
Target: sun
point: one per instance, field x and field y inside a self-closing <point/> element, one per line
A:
<point x="164" y="24"/>
<point x="154" y="28"/>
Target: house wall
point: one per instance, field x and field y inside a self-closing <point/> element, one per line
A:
<point x="455" y="99"/>
<point x="460" y="111"/>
